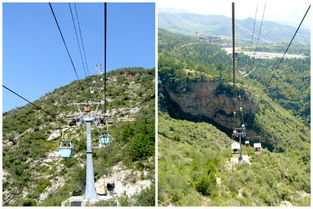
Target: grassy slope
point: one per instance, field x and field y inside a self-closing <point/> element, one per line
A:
<point x="127" y="89"/>
<point x="191" y="154"/>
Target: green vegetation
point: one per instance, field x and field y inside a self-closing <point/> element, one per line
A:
<point x="196" y="170"/>
<point x="144" y="198"/>
<point x="194" y="157"/>
<point x="289" y="87"/>
<point x="29" y="167"/>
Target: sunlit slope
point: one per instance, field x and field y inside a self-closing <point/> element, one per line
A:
<point x="34" y="173"/>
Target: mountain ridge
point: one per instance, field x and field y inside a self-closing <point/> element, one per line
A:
<point x="220" y="25"/>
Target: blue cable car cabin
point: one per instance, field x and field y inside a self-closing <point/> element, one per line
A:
<point x="66" y="148"/>
<point x="105" y="139"/>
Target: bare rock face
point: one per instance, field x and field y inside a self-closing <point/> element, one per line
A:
<point x="125" y="180"/>
<point x="212" y="100"/>
<point x="55" y="135"/>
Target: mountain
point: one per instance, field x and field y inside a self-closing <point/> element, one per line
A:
<point x="196" y="104"/>
<point x="290" y="86"/>
<point x="35" y="174"/>
<point x="221" y="26"/>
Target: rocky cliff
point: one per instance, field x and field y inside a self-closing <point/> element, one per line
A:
<point x="212" y="100"/>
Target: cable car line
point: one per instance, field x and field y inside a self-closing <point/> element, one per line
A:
<point x="240" y="132"/>
<point x="281" y="59"/>
<point x="66" y="145"/>
<point x="256" y="11"/>
<point x="105" y="58"/>
<point x="81" y="38"/>
<point x="79" y="47"/>
<point x="257" y="42"/>
<point x="233" y="57"/>
<point x="258" y="39"/>
<point x="69" y="55"/>
<point x="67" y="150"/>
<point x="28" y="101"/>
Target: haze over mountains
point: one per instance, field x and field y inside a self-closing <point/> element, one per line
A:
<point x="220" y="25"/>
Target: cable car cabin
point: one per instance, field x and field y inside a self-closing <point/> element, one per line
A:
<point x="247" y="143"/>
<point x="257" y="147"/>
<point x="235" y="148"/>
<point x="66" y="147"/>
<point x="105" y="139"/>
<point x="86" y="109"/>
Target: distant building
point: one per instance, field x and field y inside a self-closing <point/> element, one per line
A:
<point x="208" y="38"/>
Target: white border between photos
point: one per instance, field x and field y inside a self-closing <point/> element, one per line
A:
<point x="156" y="108"/>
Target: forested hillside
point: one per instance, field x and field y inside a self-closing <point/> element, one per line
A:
<point x="290" y="86"/>
<point x="195" y="91"/>
<point x="35" y="174"/>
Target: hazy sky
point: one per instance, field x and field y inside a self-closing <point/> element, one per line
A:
<point x="284" y="11"/>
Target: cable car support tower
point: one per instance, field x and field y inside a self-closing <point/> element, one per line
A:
<point x="89" y="117"/>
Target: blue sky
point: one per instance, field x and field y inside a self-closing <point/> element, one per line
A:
<point x="34" y="58"/>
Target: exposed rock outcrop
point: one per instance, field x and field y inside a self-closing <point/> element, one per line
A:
<point x="210" y="100"/>
<point x="125" y="180"/>
<point x="55" y="135"/>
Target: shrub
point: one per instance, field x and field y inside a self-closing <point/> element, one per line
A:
<point x="146" y="197"/>
<point x="205" y="184"/>
<point x="141" y="147"/>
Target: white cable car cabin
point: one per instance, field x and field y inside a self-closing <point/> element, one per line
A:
<point x="257" y="147"/>
<point x="247" y="143"/>
<point x="66" y="148"/>
<point x="235" y="148"/>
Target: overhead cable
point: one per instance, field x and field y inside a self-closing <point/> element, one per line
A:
<point x="79" y="47"/>
<point x="281" y="59"/>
